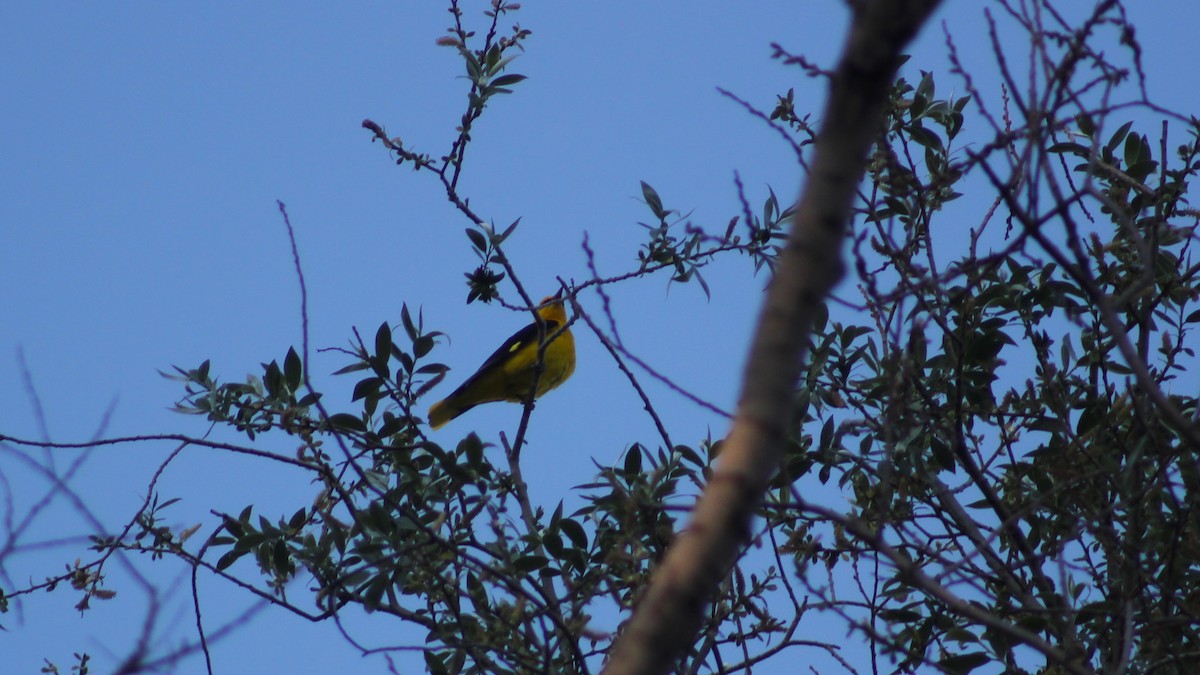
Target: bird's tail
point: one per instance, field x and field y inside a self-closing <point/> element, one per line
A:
<point x="445" y="410"/>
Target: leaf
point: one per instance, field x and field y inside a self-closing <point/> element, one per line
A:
<point x="826" y="434"/>
<point x="942" y="454"/>
<point x="689" y="455"/>
<point x="367" y="387"/>
<point x="383" y="343"/>
<point x="272" y="378"/>
<point x="422" y="345"/>
<point x="652" y="200"/>
<point x="478" y="238"/>
<point x="297" y="520"/>
<point x="633" y="460"/>
<point x="1086" y="126"/>
<point x="1072" y="148"/>
<point x="1117" y="137"/>
<point x="925" y="137"/>
<point x="823" y="474"/>
<point x="406" y="319"/>
<point x="1136" y="149"/>
<point x="1140" y="170"/>
<point x="507" y="231"/>
<point x="770" y="207"/>
<point x="293" y="370"/>
<point x="472" y="448"/>
<point x="553" y="544"/>
<point x="925" y="87"/>
<point x="702" y="282"/>
<point x="353" y="367"/>
<point x="432" y="368"/>
<point x="964" y="663"/>
<point x="507" y="80"/>
<point x="574" y="532"/>
<point x="391" y="425"/>
<point x="229" y="558"/>
<point x="280" y="556"/>
<point x="900" y="615"/>
<point x="474" y="70"/>
<point x="347" y="421"/>
<point x="529" y="563"/>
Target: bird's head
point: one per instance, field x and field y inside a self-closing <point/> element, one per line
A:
<point x="551" y="308"/>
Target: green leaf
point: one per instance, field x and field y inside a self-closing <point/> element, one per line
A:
<point x="529" y="563"/>
<point x="1072" y="148"/>
<point x="1136" y="149"/>
<point x="1140" y="170"/>
<point x="1117" y="137"/>
<point x="574" y="532"/>
<point x="353" y="367"/>
<point x="272" y="378"/>
<point x="280" y="557"/>
<point x="432" y="368"/>
<point x="478" y="238"/>
<point x="229" y="558"/>
<point x="823" y="474"/>
<point x="383" y="343"/>
<point x="820" y="318"/>
<point x="942" y="454"/>
<point x="1086" y="126"/>
<point x="689" y="455"/>
<point x="472" y="448"/>
<point x="633" y="460"/>
<point x="826" y="434"/>
<point x="422" y="345"/>
<point x="391" y="425"/>
<point x="367" y="387"/>
<point x="474" y="70"/>
<point x="925" y="137"/>
<point x="553" y="544"/>
<point x="507" y="80"/>
<point x="434" y="664"/>
<point x="347" y="421"/>
<point x="900" y="615"/>
<point x="297" y="519"/>
<point x="293" y="370"/>
<point x="406" y="319"/>
<point x="507" y="231"/>
<point x="964" y="663"/>
<point x="925" y="87"/>
<point x="653" y="200"/>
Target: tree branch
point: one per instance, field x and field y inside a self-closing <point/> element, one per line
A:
<point x="668" y="616"/>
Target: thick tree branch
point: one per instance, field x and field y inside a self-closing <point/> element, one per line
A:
<point x="668" y="616"/>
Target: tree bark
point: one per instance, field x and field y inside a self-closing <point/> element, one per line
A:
<point x="669" y="614"/>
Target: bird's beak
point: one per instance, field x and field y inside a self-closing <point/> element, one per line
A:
<point x="558" y="295"/>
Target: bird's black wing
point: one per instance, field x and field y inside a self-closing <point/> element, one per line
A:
<point x="527" y="335"/>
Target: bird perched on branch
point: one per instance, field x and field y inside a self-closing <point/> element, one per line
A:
<point x="509" y="373"/>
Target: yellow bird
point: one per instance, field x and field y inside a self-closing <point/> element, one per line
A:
<point x="508" y="374"/>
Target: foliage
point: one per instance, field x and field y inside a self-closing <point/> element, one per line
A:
<point x="1011" y="426"/>
<point x="1005" y="412"/>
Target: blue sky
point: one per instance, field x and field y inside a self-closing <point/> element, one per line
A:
<point x="143" y="148"/>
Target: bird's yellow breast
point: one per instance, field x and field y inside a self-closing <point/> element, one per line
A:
<point x="509" y="373"/>
<point x="558" y="362"/>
